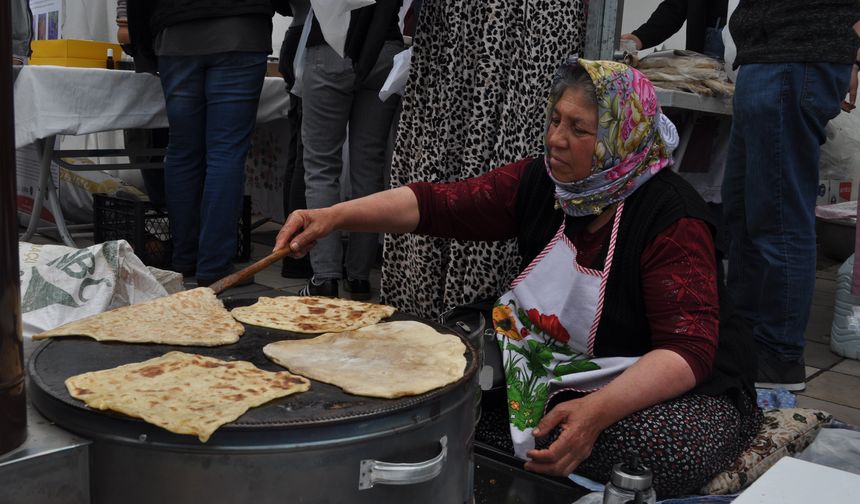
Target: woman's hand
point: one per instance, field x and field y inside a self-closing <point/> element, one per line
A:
<point x="579" y="431"/>
<point x="634" y="39"/>
<point x="303" y="228"/>
<point x="122" y="35"/>
<point x="391" y="211"/>
<point x="657" y="376"/>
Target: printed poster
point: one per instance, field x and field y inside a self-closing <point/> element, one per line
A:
<point x="46" y="19"/>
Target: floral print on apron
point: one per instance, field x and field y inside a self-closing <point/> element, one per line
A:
<point x="546" y="325"/>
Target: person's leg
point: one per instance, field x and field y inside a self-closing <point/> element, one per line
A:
<point x="745" y="264"/>
<point x="790" y="105"/>
<point x="294" y="186"/>
<point x="233" y="84"/>
<point x="328" y="85"/>
<point x="369" y="128"/>
<point x="182" y="79"/>
<point x="685" y="442"/>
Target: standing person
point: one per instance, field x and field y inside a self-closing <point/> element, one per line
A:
<point x="22" y="31"/>
<point x="294" y="175"/>
<point x="705" y="20"/>
<point x="340" y="93"/>
<point x="795" y="60"/>
<point x="211" y="56"/>
<point x="473" y="101"/>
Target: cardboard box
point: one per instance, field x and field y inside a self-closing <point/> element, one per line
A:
<point x="73" y="53"/>
<point x="833" y="191"/>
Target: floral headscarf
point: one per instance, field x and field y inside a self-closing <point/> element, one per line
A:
<point x="634" y="139"/>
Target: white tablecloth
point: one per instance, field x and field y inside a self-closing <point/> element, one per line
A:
<point x="51" y="100"/>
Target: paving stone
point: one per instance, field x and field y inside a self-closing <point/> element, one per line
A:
<point x="811" y="371"/>
<point x="820" y="323"/>
<point x="849" y="367"/>
<point x="825" y="292"/>
<point x="819" y="355"/>
<point x="834" y="387"/>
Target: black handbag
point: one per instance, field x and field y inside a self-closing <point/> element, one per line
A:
<point x="474" y="322"/>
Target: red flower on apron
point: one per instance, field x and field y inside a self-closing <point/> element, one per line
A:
<point x="548" y="324"/>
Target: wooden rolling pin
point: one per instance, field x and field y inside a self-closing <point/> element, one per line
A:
<point x="244" y="274"/>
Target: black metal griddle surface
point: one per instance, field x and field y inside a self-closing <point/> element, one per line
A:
<point x="58" y="359"/>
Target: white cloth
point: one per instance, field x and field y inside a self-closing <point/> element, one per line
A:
<point x="668" y="132"/>
<point x="52" y="100"/>
<point x="396" y="81"/>
<point x="333" y="17"/>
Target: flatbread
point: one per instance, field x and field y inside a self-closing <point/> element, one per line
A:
<point x="389" y="360"/>
<point x="184" y="393"/>
<point x="311" y="315"/>
<point x="194" y="317"/>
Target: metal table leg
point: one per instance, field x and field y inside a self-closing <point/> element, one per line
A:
<point x="47" y="192"/>
<point x="684" y="141"/>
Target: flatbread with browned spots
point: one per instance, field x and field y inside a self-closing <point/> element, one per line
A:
<point x="389" y="360"/>
<point x="184" y="393"/>
<point x="195" y="317"/>
<point x="311" y="315"/>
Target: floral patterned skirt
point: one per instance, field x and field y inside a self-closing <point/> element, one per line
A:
<point x="685" y="441"/>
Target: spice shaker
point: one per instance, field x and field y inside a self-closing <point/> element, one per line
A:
<point x="630" y="482"/>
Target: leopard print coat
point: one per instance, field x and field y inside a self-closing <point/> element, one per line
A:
<point x="475" y="100"/>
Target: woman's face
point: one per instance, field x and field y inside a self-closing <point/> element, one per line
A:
<point x="571" y="136"/>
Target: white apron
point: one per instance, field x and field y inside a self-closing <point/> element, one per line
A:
<point x="546" y="326"/>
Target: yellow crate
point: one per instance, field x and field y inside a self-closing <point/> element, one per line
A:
<point x="74" y="50"/>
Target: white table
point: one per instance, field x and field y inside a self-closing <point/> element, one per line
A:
<point x="51" y="101"/>
<point x="793" y="481"/>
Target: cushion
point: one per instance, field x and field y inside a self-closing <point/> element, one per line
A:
<point x="784" y="431"/>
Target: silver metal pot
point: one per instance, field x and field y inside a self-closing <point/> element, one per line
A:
<point x="321" y="446"/>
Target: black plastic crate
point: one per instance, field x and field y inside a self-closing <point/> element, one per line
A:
<point x="147" y="229"/>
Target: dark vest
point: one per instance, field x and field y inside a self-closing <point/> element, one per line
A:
<point x="623" y="329"/>
<point x="168" y="13"/>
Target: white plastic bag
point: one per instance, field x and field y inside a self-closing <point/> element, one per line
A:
<point x="62" y="284"/>
<point x="836" y="448"/>
<point x="840" y="152"/>
<point x="396" y="81"/>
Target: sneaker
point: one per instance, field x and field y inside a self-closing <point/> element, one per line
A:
<point x="326" y="287"/>
<point x="359" y="290"/>
<point x="777" y="374"/>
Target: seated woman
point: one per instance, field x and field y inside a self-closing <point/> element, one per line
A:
<point x="613" y="335"/>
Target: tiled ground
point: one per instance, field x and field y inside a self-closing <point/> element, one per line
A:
<point x="833" y="381"/>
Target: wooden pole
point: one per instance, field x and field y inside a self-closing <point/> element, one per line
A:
<point x="13" y="412"/>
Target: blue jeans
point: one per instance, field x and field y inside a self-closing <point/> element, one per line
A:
<point x="769" y="192"/>
<point x="211" y="107"/>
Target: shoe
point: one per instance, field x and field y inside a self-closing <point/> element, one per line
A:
<point x="777" y="374"/>
<point x="326" y="288"/>
<point x="359" y="290"/>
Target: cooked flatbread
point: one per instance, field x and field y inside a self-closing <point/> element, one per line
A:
<point x="194" y="317"/>
<point x="389" y="360"/>
<point x="184" y="393"/>
<point x="311" y="315"/>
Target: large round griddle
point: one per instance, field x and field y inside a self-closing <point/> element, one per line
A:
<point x="323" y="405"/>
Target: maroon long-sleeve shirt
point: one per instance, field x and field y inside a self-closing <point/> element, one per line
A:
<point x="678" y="267"/>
